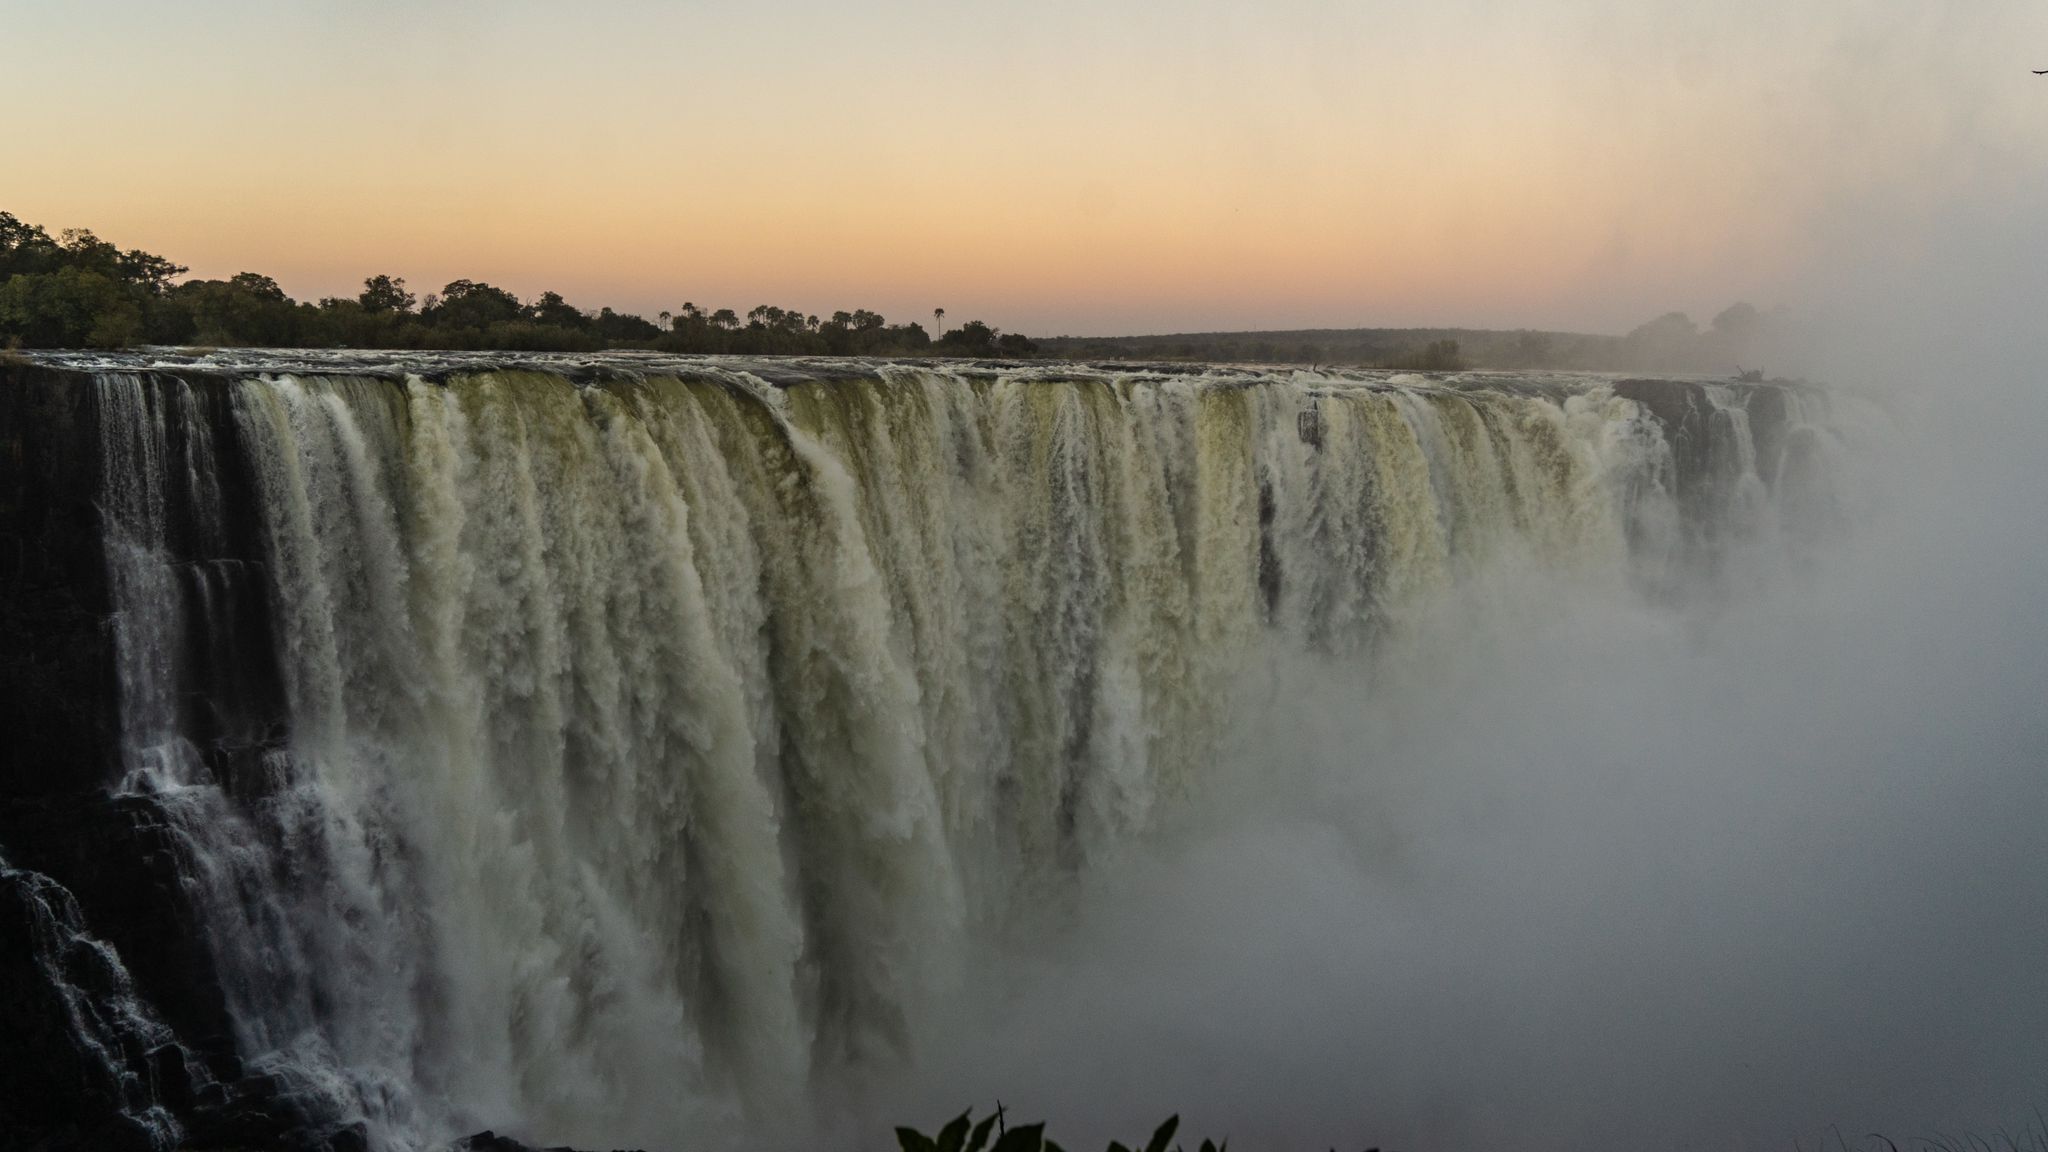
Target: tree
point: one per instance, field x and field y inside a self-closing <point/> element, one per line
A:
<point x="1016" y="345"/>
<point x="1738" y="319"/>
<point x="473" y="304"/>
<point x="1740" y="335"/>
<point x="1670" y="342"/>
<point x="939" y="322"/>
<point x="153" y="274"/>
<point x="25" y="249"/>
<point x="552" y="309"/>
<point x="245" y="309"/>
<point x="974" y="336"/>
<point x="68" y="308"/>
<point x="386" y="294"/>
<point x="76" y="289"/>
<point x="87" y="252"/>
<point x="623" y="327"/>
<point x="260" y="286"/>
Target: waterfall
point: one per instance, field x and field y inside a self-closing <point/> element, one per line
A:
<point x="117" y="1038"/>
<point x="653" y="738"/>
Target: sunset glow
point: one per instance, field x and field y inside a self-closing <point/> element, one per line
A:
<point x="1054" y="167"/>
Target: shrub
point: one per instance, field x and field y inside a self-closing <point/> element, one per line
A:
<point x="962" y="1135"/>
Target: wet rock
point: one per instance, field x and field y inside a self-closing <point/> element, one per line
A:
<point x="57" y="698"/>
<point x="117" y="856"/>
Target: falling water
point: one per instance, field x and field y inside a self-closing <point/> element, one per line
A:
<point x="654" y="741"/>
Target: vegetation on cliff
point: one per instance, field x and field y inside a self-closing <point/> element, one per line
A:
<point x="961" y="1134"/>
<point x="75" y="290"/>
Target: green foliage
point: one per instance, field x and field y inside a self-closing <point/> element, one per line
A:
<point x="956" y="1136"/>
<point x="77" y="290"/>
<point x="26" y="249"/>
<point x="783" y="331"/>
<point x="953" y="1137"/>
<point x="69" y="308"/>
<point x="622" y="328"/>
<point x="383" y="294"/>
<point x="1023" y="1138"/>
<point x="1163" y="1135"/>
<point x="245" y="309"/>
<point x="974" y="336"/>
<point x="472" y="304"/>
<point x="978" y="1139"/>
<point x="551" y="309"/>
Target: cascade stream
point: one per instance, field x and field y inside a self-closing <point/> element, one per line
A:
<point x="543" y="742"/>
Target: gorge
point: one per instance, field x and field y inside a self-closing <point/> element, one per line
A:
<point x="407" y="744"/>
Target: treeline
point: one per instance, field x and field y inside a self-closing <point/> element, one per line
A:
<point x="1739" y="337"/>
<point x="78" y="291"/>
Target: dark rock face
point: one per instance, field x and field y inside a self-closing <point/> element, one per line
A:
<point x="1715" y="468"/>
<point x="117" y="858"/>
<point x="1687" y="417"/>
<point x="58" y="708"/>
<point x="61" y="1092"/>
<point x="110" y="1004"/>
<point x="57" y="695"/>
<point x="59" y="699"/>
<point x="92" y="908"/>
<point x="1698" y="434"/>
<point x="91" y="1064"/>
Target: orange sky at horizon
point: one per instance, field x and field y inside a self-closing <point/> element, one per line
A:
<point x="1575" y="164"/>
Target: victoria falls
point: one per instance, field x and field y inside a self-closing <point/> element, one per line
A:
<point x="1320" y="576"/>
<point x="639" y="747"/>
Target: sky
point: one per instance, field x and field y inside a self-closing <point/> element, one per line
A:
<point x="1059" y="166"/>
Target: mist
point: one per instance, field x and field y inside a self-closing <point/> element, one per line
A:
<point x="1569" y="866"/>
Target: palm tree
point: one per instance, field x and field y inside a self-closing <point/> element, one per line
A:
<point x="665" y="321"/>
<point x="938" y="322"/>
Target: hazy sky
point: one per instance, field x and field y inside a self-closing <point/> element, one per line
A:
<point x="1053" y="166"/>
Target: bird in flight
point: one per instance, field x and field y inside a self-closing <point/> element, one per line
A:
<point x="2041" y="71"/>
